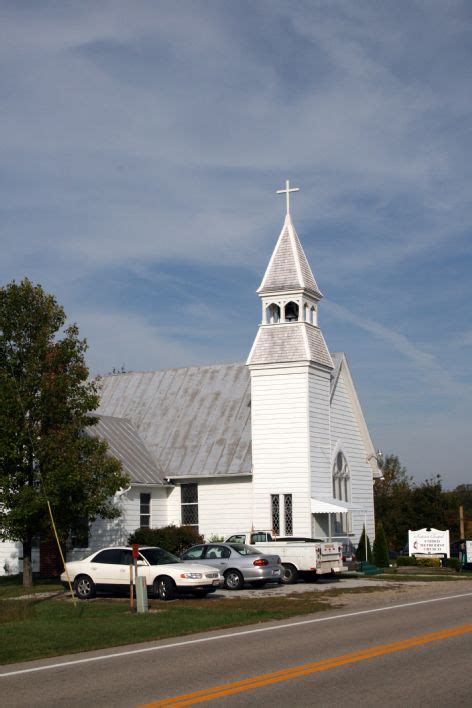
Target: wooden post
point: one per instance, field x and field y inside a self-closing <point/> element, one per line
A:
<point x="135" y="548"/>
<point x="131" y="593"/>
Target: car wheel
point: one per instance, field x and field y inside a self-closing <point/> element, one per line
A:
<point x="84" y="587"/>
<point x="234" y="580"/>
<point x="290" y="575"/>
<point x="164" y="588"/>
<point x="259" y="583"/>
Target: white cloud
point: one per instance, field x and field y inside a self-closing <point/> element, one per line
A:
<point x="439" y="378"/>
<point x="142" y="140"/>
<point x="117" y="339"/>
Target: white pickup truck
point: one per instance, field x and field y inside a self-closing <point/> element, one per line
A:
<point x="299" y="557"/>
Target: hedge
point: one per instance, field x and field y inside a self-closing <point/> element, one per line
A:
<point x="406" y="560"/>
<point x="174" y="539"/>
<point x="428" y="562"/>
<point x="425" y="561"/>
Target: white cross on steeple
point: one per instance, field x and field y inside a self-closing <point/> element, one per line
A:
<point x="287" y="191"/>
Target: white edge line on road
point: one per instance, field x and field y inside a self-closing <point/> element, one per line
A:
<point x="231" y="635"/>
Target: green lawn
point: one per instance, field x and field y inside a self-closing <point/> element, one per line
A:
<point x="427" y="578"/>
<point x="32" y="629"/>
<point x="12" y="586"/>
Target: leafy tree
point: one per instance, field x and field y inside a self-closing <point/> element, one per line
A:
<point x="394" y="502"/>
<point x="46" y="406"/>
<point x="381" y="558"/>
<point x="453" y="499"/>
<point x="429" y="505"/>
<point x="174" y="539"/>
<point x="361" y="555"/>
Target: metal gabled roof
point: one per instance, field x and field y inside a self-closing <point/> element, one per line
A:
<point x="288" y="267"/>
<point x="194" y="421"/>
<point x="290" y="342"/>
<point x="337" y="358"/>
<point x="126" y="445"/>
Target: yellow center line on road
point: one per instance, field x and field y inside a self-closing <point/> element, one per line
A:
<point x="208" y="694"/>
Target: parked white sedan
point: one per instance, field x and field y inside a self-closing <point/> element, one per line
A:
<point x="166" y="575"/>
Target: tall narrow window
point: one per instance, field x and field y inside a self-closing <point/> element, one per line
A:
<point x="342" y="491"/>
<point x="145" y="510"/>
<point x="189" y="504"/>
<point x="288" y="514"/>
<point x="79" y="533"/>
<point x="275" y="503"/>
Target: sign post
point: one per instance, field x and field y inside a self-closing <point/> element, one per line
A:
<point x="139" y="583"/>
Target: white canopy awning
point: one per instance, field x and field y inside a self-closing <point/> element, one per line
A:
<point x="332" y="506"/>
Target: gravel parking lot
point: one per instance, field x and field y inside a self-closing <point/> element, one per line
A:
<point x="274" y="589"/>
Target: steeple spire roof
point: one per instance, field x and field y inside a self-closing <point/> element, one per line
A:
<point x="288" y="267"/>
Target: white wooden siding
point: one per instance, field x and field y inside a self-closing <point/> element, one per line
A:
<point x="345" y="432"/>
<point x="280" y="447"/>
<point x="174" y="514"/>
<point x="9" y="553"/>
<point x="320" y="433"/>
<point x="10" y="563"/>
<point x="114" y="532"/>
<point x="224" y="506"/>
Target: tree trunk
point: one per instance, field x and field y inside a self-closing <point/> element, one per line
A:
<point x="27" y="564"/>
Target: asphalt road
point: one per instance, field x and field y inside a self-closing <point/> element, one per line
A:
<point x="385" y="655"/>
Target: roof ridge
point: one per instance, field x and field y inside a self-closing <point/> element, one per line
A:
<point x="293" y="236"/>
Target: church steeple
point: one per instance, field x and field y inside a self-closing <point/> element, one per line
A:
<point x="288" y="267"/>
<point x="290" y="297"/>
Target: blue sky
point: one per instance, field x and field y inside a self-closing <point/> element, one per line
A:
<point x="142" y="144"/>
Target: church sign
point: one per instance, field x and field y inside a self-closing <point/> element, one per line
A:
<point x="429" y="542"/>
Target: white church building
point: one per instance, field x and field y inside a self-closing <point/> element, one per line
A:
<point x="278" y="442"/>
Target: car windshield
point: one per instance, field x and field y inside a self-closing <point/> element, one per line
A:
<point x="157" y="556"/>
<point x="244" y="550"/>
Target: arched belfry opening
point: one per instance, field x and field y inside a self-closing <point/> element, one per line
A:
<point x="291" y="312"/>
<point x="272" y="314"/>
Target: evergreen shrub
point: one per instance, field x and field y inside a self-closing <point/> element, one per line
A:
<point x="174" y="539"/>
<point x="381" y="558"/>
<point x="360" y="553"/>
<point x="453" y="563"/>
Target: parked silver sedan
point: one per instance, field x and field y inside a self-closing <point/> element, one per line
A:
<point x="237" y="563"/>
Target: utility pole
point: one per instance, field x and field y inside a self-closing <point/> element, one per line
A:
<point x="462" y="534"/>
